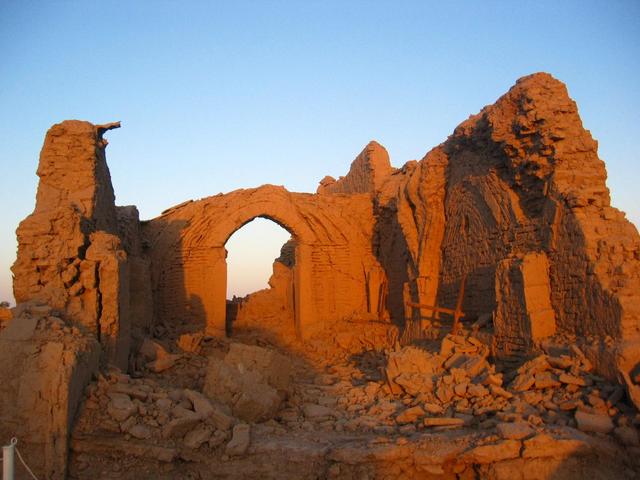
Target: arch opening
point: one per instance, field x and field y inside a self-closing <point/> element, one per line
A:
<point x="260" y="263"/>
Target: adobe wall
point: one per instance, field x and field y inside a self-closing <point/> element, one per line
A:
<point x="543" y="169"/>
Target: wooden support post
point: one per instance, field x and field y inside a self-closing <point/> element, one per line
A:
<point x="458" y="311"/>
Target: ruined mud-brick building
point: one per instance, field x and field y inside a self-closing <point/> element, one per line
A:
<point x="514" y="201"/>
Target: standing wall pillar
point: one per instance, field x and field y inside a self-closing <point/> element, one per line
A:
<point x="304" y="305"/>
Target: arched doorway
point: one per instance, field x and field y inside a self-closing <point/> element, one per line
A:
<point x="260" y="257"/>
<point x="334" y="261"/>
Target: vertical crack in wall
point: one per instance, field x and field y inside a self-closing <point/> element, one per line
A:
<point x="98" y="303"/>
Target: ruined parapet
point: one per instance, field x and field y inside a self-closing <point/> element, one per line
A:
<point x="366" y="175"/>
<point x="69" y="252"/>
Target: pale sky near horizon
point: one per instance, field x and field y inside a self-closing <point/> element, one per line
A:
<point x="215" y="96"/>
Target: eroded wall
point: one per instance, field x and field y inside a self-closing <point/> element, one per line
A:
<point x="519" y="178"/>
<point x="70" y="255"/>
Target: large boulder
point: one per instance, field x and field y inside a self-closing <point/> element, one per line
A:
<point x="251" y="380"/>
<point x="411" y="369"/>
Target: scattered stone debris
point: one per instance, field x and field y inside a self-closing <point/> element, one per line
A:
<point x="489" y="414"/>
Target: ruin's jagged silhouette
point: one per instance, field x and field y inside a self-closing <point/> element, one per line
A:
<point x="513" y="205"/>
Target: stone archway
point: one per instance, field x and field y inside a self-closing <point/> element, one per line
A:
<point x="332" y="258"/>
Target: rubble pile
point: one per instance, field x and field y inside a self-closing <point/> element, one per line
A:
<point x="252" y="380"/>
<point x="143" y="409"/>
<point x="458" y="386"/>
<point x="244" y="401"/>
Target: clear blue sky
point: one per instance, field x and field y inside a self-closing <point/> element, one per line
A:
<point x="215" y="96"/>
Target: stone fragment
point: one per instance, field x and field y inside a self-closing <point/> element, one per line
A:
<point x="179" y="411"/>
<point x="256" y="402"/>
<point x="139" y="431"/>
<point x="410" y="415"/>
<point x="499" y="391"/>
<point x="177" y="427"/>
<point x="410" y="360"/>
<point x="240" y="440"/>
<point x="544" y="445"/>
<point x="498" y="452"/>
<point x="220" y="419"/>
<point x="163" y="363"/>
<point x="443" y="422"/>
<point x="571" y="379"/>
<point x="127" y="424"/>
<point x="588" y="422"/>
<point x="474" y="365"/>
<point x="523" y="382"/>
<point x="546" y="380"/>
<point x="460" y="389"/>
<point x="446" y="347"/>
<point x="273" y="367"/>
<point x="196" y="437"/>
<point x="313" y="411"/>
<point x="120" y="407"/>
<point x="563" y="362"/>
<point x="152" y="350"/>
<point x="201" y="404"/>
<point x="433" y="408"/>
<point x="568" y="405"/>
<point x="477" y="391"/>
<point x="130" y="390"/>
<point x="515" y="431"/>
<point x="243" y="386"/>
<point x="164" y="405"/>
<point x="414" y="383"/>
<point x="444" y="393"/>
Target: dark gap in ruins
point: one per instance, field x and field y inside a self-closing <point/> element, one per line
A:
<point x="98" y="302"/>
